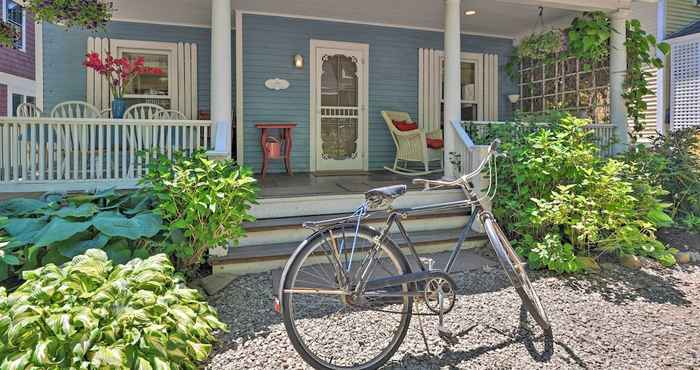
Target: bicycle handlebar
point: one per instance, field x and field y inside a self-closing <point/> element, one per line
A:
<point x="462" y="180"/>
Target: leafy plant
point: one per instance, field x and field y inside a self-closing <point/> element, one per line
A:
<point x="93" y="314"/>
<point x="204" y="203"/>
<point x="87" y="14"/>
<point x="58" y="227"/>
<point x="589" y="38"/>
<point x="672" y="162"/>
<point x="8" y="34"/>
<point x="559" y="199"/>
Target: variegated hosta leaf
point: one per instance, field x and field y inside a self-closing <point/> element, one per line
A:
<point x="91" y="314"/>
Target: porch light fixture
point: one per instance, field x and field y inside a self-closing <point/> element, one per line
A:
<point x="299" y="61"/>
<point x="470" y="12"/>
<point x="514" y="98"/>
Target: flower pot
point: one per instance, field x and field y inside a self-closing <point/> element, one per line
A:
<point x="118" y="108"/>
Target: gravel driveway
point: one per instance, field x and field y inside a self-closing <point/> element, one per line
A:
<point x="618" y="319"/>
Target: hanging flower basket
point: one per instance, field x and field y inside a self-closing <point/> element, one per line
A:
<point x="541" y="46"/>
<point x="86" y="14"/>
<point x="8" y="35"/>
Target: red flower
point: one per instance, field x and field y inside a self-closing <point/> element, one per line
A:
<point x="120" y="71"/>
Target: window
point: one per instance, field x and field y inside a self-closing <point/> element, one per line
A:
<point x="14" y="16"/>
<point x="19" y="99"/>
<point x="470" y="86"/>
<point x="159" y="90"/>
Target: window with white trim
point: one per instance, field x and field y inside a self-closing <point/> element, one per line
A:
<point x="150" y="88"/>
<point x="18" y="99"/>
<point x="15" y="16"/>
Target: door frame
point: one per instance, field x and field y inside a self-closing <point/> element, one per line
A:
<point x="363" y="121"/>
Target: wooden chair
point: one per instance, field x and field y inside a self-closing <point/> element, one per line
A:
<point x="412" y="146"/>
<point x="28" y="110"/>
<point x="171" y="115"/>
<point x="75" y="109"/>
<point x="143" y="111"/>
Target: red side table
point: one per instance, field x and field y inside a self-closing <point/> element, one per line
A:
<point x="285" y="142"/>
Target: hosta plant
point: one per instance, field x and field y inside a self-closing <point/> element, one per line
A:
<point x="93" y="314"/>
<point x="58" y="227"/>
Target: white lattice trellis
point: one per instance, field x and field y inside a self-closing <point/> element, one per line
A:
<point x="685" y="83"/>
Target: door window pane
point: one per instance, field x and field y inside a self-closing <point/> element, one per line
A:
<point x="17" y="100"/>
<point x="150" y="85"/>
<point x="339" y="107"/>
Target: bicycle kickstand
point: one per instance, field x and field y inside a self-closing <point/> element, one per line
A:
<point x="445" y="334"/>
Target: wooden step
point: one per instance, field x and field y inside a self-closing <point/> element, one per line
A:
<point x="261" y="258"/>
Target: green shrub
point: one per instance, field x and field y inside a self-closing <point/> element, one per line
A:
<point x="559" y="199"/>
<point x="672" y="163"/>
<point x="93" y="314"/>
<point x="203" y="202"/>
<point x="58" y="227"/>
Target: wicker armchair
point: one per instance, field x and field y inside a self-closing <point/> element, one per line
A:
<point x="412" y="146"/>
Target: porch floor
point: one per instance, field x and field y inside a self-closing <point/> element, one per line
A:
<point x="310" y="184"/>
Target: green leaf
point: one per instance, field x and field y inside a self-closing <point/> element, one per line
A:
<point x="21" y="207"/>
<point x="11" y="260"/>
<point x="82" y="211"/>
<point x="24" y="230"/>
<point x="32" y="257"/>
<point x="109" y="357"/>
<point x="17" y="361"/>
<point x="118" y="251"/>
<point x="116" y="225"/>
<point x="58" y="230"/>
<point x="142" y="364"/>
<point x="198" y="351"/>
<point x="71" y="248"/>
<point x="53" y="256"/>
<point x="160" y="364"/>
<point x="664" y="48"/>
<point x="4" y="271"/>
<point x="659" y="217"/>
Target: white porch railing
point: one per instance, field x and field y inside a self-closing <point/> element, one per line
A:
<point x="603" y="135"/>
<point x="54" y="152"/>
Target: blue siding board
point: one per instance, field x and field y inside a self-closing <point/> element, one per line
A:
<point x="65" y="77"/>
<point x="270" y="42"/>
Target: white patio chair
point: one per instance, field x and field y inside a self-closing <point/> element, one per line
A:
<point x="70" y="136"/>
<point x="172" y="115"/>
<point x="143" y="111"/>
<point x="412" y="146"/>
<point x="28" y="110"/>
<point x="106" y="113"/>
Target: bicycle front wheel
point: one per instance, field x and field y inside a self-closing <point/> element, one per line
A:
<point x="328" y="326"/>
<point x="515" y="270"/>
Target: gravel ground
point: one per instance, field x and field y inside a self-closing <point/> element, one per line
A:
<point x="617" y="319"/>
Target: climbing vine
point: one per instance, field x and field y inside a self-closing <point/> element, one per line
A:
<point x="86" y="14"/>
<point x="588" y="40"/>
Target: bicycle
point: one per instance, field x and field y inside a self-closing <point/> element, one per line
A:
<point x="349" y="273"/>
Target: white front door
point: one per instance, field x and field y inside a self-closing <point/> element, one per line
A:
<point x="338" y="106"/>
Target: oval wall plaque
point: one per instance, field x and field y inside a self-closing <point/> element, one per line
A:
<point x="277" y="84"/>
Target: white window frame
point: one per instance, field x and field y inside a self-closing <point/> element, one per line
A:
<point x="119" y="47"/>
<point x="24" y="24"/>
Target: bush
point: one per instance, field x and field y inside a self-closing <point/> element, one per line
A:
<point x="672" y="162"/>
<point x="559" y="199"/>
<point x="92" y="314"/>
<point x="204" y="203"/>
<point x="58" y="227"/>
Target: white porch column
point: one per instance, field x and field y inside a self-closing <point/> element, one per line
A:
<point x="452" y="50"/>
<point x="221" y="90"/>
<point x="618" y="71"/>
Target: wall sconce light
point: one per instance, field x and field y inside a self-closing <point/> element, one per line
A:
<point x="299" y="61"/>
<point x="514" y="98"/>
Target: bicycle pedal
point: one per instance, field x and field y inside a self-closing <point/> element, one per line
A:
<point x="447" y="336"/>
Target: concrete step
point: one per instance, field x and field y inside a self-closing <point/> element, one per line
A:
<point x="289" y="229"/>
<point x="265" y="257"/>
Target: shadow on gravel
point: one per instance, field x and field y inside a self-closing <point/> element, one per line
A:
<point x="618" y="285"/>
<point x="524" y="336"/>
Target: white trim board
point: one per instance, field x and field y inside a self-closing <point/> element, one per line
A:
<point x="377" y="24"/>
<point x="39" y="64"/>
<point x="240" y="123"/>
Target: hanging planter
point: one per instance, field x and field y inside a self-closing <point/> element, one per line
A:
<point x="8" y="35"/>
<point x="541" y="46"/>
<point x="86" y="14"/>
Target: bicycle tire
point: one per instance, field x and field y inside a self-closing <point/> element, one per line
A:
<point x="516" y="273"/>
<point x="289" y="275"/>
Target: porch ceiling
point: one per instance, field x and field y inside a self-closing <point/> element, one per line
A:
<point x="508" y="18"/>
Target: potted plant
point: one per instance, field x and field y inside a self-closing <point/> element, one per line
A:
<point x="8" y="34"/>
<point x="120" y="72"/>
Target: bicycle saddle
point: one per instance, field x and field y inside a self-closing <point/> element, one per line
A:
<point x="382" y="197"/>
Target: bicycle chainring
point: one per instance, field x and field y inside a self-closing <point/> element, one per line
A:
<point x="440" y="288"/>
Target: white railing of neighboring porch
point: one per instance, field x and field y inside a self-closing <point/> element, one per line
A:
<point x="59" y="151"/>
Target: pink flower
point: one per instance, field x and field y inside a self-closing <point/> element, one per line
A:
<point x="119" y="71"/>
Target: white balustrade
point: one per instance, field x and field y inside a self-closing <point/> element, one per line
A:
<point x="62" y="150"/>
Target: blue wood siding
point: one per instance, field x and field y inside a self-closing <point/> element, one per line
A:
<point x="65" y="77"/>
<point x="271" y="42"/>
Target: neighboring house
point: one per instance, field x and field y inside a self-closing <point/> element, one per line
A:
<point x="680" y="88"/>
<point x="17" y="63"/>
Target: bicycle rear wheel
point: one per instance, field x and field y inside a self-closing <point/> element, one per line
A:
<point x="331" y="329"/>
<point x="515" y="270"/>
